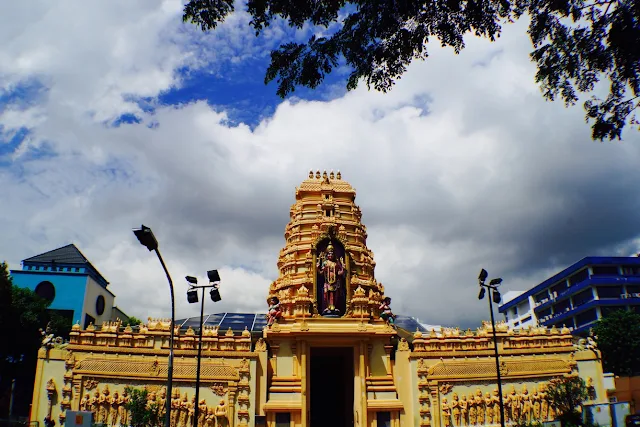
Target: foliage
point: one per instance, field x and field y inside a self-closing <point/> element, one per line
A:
<point x="142" y="413"/>
<point x="577" y="43"/>
<point x="618" y="338"/>
<point x="566" y="395"/>
<point x="132" y="321"/>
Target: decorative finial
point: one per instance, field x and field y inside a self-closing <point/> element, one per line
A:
<point x="339" y="175"/>
<point x="310" y="173"/>
<point x="331" y="175"/>
<point x="317" y="174"/>
<point x="324" y="174"/>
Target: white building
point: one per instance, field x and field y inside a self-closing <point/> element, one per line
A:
<point x="520" y="315"/>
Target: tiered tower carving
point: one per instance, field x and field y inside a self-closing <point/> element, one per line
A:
<point x="325" y="259"/>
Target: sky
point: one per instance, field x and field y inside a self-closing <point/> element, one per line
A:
<point x="117" y="114"/>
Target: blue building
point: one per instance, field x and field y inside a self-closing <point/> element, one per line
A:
<point x="75" y="288"/>
<point x="579" y="295"/>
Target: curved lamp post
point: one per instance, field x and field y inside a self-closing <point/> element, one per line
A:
<point x="146" y="238"/>
<point x="494" y="296"/>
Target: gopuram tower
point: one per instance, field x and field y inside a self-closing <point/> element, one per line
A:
<point x="331" y="351"/>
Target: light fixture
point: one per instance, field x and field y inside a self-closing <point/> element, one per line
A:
<point x="192" y="280"/>
<point x="192" y="296"/>
<point x="496" y="297"/>
<point x="213" y="276"/>
<point x="146" y="238"/>
<point x="481" y="295"/>
<point x="483" y="275"/>
<point x="495" y="282"/>
<point x="215" y="295"/>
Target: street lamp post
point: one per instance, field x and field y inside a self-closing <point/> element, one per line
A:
<point x="192" y="297"/>
<point x="494" y="296"/>
<point x="146" y="238"/>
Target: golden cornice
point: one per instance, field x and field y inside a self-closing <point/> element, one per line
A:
<point x="160" y="352"/>
<point x="489" y="353"/>
<point x="347" y="326"/>
<point x="463" y="370"/>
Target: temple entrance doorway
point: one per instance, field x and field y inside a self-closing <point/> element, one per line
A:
<point x="331" y="387"/>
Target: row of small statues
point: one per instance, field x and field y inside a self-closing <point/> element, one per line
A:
<point x="111" y="409"/>
<point x="479" y="410"/>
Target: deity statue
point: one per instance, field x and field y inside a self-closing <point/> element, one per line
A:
<point x="331" y="272"/>
<point x="507" y="411"/>
<point x="184" y="410"/>
<point x="495" y="403"/>
<point x="385" y="311"/>
<point x="446" y="413"/>
<point x="202" y="413"/>
<point x="535" y="407"/>
<point x="455" y="409"/>
<point x="162" y="403"/>
<point x="93" y="405"/>
<point x="221" y="413"/>
<point x="113" y="410"/>
<point x="514" y="405"/>
<point x="488" y="405"/>
<point x="103" y="406"/>
<point x="192" y="410"/>
<point x="544" y="404"/>
<point x="464" y="410"/>
<point x="274" y="312"/>
<point x="84" y="403"/>
<point x="175" y="408"/>
<point x="526" y="404"/>
<point x="123" y="414"/>
<point x="479" y="401"/>
<point x="472" y="410"/>
<point x="210" y="420"/>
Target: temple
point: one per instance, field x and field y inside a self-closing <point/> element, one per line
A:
<point x="329" y="352"/>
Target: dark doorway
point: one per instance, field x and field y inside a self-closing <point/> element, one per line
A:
<point x="331" y="388"/>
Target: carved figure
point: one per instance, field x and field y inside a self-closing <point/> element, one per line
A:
<point x="202" y="413"/>
<point x="103" y="406"/>
<point x="488" y="407"/>
<point x="535" y="401"/>
<point x="123" y="414"/>
<point x="175" y="408"/>
<point x="183" y="410"/>
<point x="385" y="311"/>
<point x="507" y="411"/>
<point x="192" y="410"/>
<point x="526" y="404"/>
<point x="162" y="403"/>
<point x="514" y="405"/>
<point x="331" y="271"/>
<point x="84" y="403"/>
<point x="472" y="410"/>
<point x="495" y="403"/>
<point x="446" y="413"/>
<point x="93" y="404"/>
<point x="47" y="336"/>
<point x="455" y="409"/>
<point x="464" y="410"/>
<point x="591" y="390"/>
<point x="544" y="404"/>
<point x="221" y="413"/>
<point x="274" y="313"/>
<point x="113" y="408"/>
<point x="479" y="401"/>
<point x="210" y="421"/>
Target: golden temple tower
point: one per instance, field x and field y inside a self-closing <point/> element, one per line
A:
<point x="325" y="219"/>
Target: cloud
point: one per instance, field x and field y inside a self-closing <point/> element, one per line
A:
<point x="462" y="166"/>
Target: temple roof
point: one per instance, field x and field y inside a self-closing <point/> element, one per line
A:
<point x="69" y="254"/>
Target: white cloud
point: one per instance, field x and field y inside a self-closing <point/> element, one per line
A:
<point x="461" y="166"/>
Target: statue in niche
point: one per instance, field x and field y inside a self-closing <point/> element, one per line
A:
<point x="495" y="403"/>
<point x="455" y="409"/>
<point x="446" y="413"/>
<point x="162" y="403"/>
<point x="175" y="408"/>
<point x="184" y="410"/>
<point x="103" y="405"/>
<point x="274" y="313"/>
<point x="464" y="410"/>
<point x="526" y="404"/>
<point x="93" y="404"/>
<point x="202" y="413"/>
<point x="210" y="420"/>
<point x="123" y="415"/>
<point x="507" y="410"/>
<point x="221" y="413"/>
<point x="84" y="403"/>
<point x="544" y="404"/>
<point x="331" y="281"/>
<point x="514" y="405"/>
<point x="535" y="405"/>
<point x="192" y="410"/>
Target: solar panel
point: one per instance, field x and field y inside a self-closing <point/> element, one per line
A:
<point x="409" y="324"/>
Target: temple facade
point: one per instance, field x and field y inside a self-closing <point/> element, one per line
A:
<point x="329" y="356"/>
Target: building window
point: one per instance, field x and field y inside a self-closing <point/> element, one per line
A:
<point x="605" y="311"/>
<point x="609" y="292"/>
<point x="562" y="306"/>
<point x="544" y="313"/>
<point x="586" y="317"/>
<point x="526" y="319"/>
<point x="579" y="277"/>
<point x="515" y="311"/>
<point x="582" y="298"/>
<point x="46" y="290"/>
<point x="631" y="270"/>
<point x="100" y="305"/>
<point x="605" y="270"/>
<point x="558" y="289"/>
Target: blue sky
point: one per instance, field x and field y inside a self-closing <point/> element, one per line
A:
<point x="129" y="116"/>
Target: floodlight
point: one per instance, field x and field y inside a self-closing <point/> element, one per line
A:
<point x="495" y="282"/>
<point x="146" y="238"/>
<point x="496" y="297"/>
<point x="192" y="296"/>
<point x="481" y="295"/>
<point x="483" y="275"/>
<point x="215" y="295"/>
<point x="213" y="276"/>
<point x="192" y="280"/>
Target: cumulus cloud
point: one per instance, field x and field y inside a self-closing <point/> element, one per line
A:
<point x="462" y="166"/>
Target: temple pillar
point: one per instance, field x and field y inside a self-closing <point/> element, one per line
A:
<point x="303" y="348"/>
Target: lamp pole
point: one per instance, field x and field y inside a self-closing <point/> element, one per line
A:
<point x="215" y="296"/>
<point x="146" y="238"/>
<point x="494" y="296"/>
